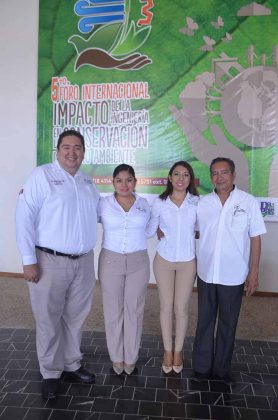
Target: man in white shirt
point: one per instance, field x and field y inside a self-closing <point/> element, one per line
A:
<point x="230" y="225"/>
<point x="56" y="224"/>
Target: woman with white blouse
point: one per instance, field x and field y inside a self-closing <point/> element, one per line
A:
<point x="124" y="268"/>
<point x="174" y="213"/>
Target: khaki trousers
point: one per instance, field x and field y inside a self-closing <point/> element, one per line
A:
<point x="61" y="301"/>
<point x="124" y="279"/>
<point x="175" y="281"/>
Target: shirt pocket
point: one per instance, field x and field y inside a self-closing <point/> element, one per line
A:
<point x="110" y="263"/>
<point x="139" y="262"/>
<point x="142" y="257"/>
<point x="48" y="261"/>
<point x="240" y="222"/>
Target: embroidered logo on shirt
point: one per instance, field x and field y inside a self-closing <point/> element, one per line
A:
<point x="57" y="181"/>
<point x="141" y="209"/>
<point x="238" y="209"/>
<point x="88" y="181"/>
<point x="193" y="200"/>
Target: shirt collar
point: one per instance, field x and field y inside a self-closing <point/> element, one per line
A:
<point x="231" y="192"/>
<point x="187" y="197"/>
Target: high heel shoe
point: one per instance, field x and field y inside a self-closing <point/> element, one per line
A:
<point x="167" y="369"/>
<point x="118" y="368"/>
<point x="129" y="369"/>
<point x="177" y="363"/>
<point x="167" y="364"/>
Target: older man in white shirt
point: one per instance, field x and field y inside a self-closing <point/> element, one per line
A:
<point x="56" y="223"/>
<point x="230" y="224"/>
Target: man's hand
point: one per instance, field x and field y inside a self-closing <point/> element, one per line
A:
<point x="251" y="283"/>
<point x="31" y="272"/>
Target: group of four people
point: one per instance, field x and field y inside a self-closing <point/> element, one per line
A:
<point x="57" y="215"/>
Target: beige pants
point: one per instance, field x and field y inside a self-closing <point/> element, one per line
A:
<point x="124" y="279"/>
<point x="175" y="282"/>
<point x="61" y="301"/>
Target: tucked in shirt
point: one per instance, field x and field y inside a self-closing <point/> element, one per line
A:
<point x="58" y="211"/>
<point x="223" y="250"/>
<point x="124" y="232"/>
<point x="178" y="226"/>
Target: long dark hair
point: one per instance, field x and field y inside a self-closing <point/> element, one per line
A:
<point x="191" y="187"/>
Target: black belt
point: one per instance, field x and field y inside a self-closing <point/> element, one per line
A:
<point x="57" y="253"/>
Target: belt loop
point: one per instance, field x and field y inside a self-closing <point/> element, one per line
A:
<point x="55" y="253"/>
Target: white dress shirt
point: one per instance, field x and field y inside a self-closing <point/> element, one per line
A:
<point x="178" y="226"/>
<point x="124" y="232"/>
<point x="223" y="250"/>
<point x="58" y="211"/>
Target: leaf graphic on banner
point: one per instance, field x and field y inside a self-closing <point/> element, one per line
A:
<point x="103" y="38"/>
<point x="133" y="40"/>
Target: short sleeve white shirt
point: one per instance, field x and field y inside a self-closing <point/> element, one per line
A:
<point x="178" y="226"/>
<point x="223" y="250"/>
<point x="124" y="232"/>
<point x="58" y="211"/>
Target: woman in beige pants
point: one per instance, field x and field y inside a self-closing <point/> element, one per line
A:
<point x="124" y="268"/>
<point x="174" y="213"/>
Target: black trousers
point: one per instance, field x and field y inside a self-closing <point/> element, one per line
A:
<point x="211" y="356"/>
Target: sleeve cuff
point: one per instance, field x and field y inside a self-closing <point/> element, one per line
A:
<point x="29" y="259"/>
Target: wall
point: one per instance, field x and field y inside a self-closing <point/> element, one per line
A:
<point x="18" y="75"/>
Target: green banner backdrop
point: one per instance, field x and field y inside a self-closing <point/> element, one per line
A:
<point x="151" y="82"/>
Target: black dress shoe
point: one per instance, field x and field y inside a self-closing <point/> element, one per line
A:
<point x="228" y="379"/>
<point x="200" y="377"/>
<point x="80" y="375"/>
<point x="50" y="388"/>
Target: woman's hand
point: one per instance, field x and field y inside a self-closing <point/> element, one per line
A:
<point x="159" y="233"/>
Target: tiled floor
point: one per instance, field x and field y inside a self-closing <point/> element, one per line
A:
<point x="148" y="394"/>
